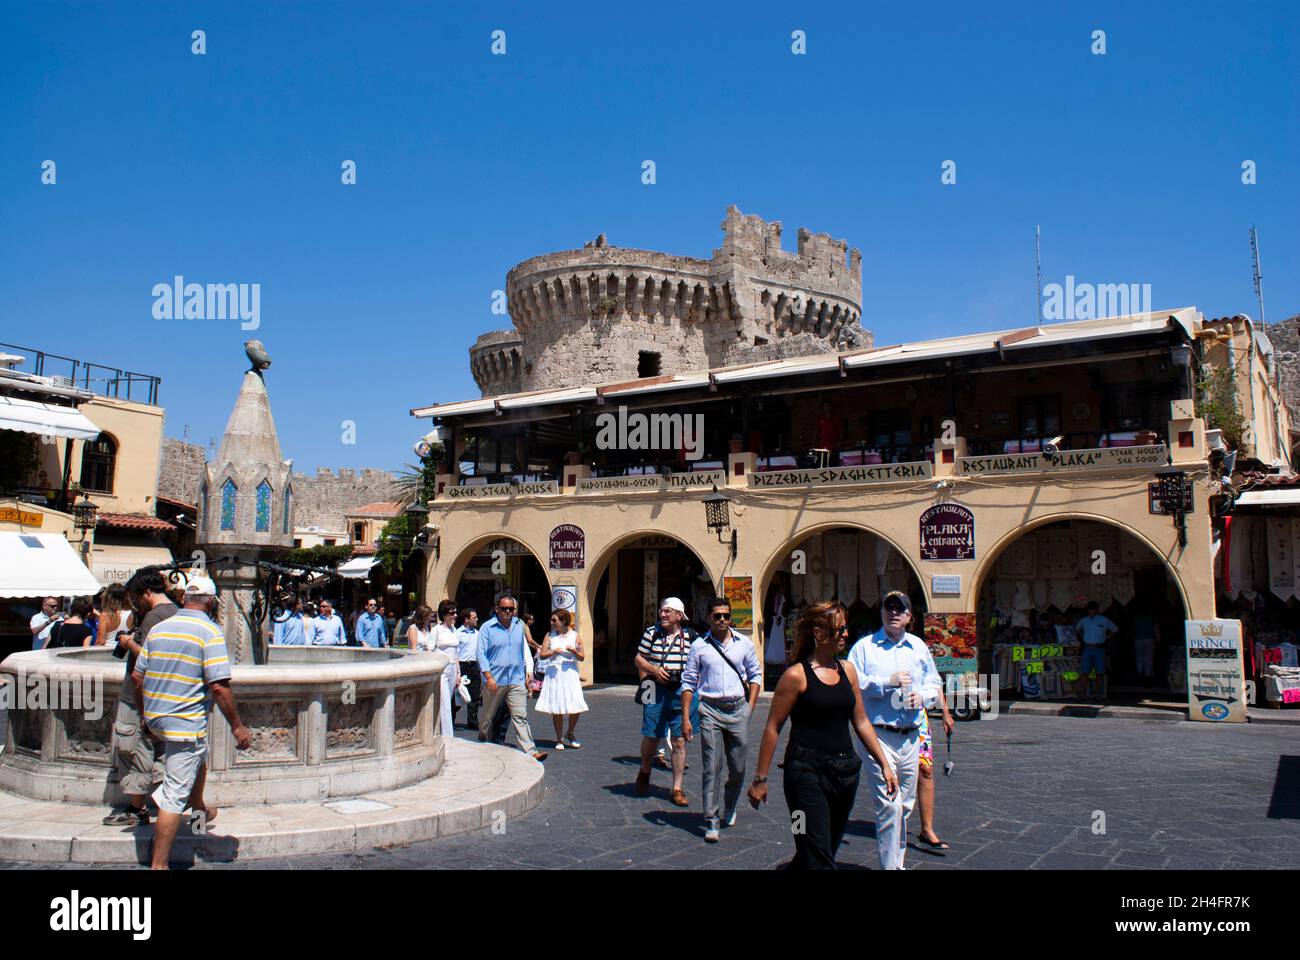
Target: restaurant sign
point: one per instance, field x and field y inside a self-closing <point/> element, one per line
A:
<point x="654" y="482"/>
<point x="840" y="476"/>
<point x="1104" y="458"/>
<point x="485" y="490"/>
<point x="1216" y="688"/>
<point x="25" y="518"/>
<point x="948" y="533"/>
<point x="568" y="547"/>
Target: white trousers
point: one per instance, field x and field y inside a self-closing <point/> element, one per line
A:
<point x="447" y="690"/>
<point x="903" y="750"/>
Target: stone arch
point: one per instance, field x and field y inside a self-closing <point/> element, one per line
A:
<point x="456" y="569"/>
<point x="991" y="557"/>
<point x="596" y="568"/>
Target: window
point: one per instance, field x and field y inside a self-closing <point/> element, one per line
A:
<point x="297" y="542"/>
<point x="647" y="364"/>
<point x="98" y="458"/>
<point x="203" y="508"/>
<point x="263" y="515"/>
<point x="358" y="532"/>
<point x="288" y="504"/>
<point x="228" y="490"/>
<point x="890" y="430"/>
<point x="329" y="542"/>
<point x="1040" y="416"/>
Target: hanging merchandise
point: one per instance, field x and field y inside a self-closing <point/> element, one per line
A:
<point x="1024" y="598"/>
<point x="1040" y="593"/>
<point x="1097" y="543"/>
<point x="1123" y="587"/>
<point x="1281" y="572"/>
<point x="1018" y="560"/>
<point x="1258" y="558"/>
<point x="1295" y="557"/>
<point x="1058" y="554"/>
<point x="1240" y="557"/>
<point x="1132" y="551"/>
<point x="868" y="578"/>
<point x="1059" y="594"/>
<point x="1004" y="594"/>
<point x="846" y="566"/>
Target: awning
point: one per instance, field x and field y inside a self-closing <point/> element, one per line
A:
<point x="1268" y="498"/>
<point x="31" y="416"/>
<point x="116" y="559"/>
<point x="357" y="568"/>
<point x="42" y="565"/>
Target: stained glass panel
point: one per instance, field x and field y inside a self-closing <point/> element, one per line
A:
<point x="263" y="507"/>
<point x="228" y="505"/>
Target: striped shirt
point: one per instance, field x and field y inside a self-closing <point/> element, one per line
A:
<point x="664" y="651"/>
<point x="182" y="656"/>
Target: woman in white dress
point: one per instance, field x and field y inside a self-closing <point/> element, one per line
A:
<point x="561" y="694"/>
<point x="443" y="639"/>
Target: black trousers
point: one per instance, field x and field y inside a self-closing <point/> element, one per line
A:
<point x="469" y="668"/>
<point x="821" y="787"/>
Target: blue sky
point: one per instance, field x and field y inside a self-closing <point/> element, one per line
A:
<point x="225" y="168"/>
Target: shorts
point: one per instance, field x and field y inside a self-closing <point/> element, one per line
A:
<point x="665" y="713"/>
<point x="181" y="766"/>
<point x="1094" y="658"/>
<point x="926" y="750"/>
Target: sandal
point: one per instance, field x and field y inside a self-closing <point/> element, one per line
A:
<point x="128" y="817"/>
<point x="935" y="844"/>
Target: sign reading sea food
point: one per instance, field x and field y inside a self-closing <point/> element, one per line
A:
<point x="948" y="533"/>
<point x="568" y="547"/>
<point x="1103" y="458"/>
<point x="1215" y="673"/>
<point x="952" y="642"/>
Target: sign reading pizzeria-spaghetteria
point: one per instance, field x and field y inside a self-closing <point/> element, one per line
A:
<point x="838" y="476"/>
<point x="1102" y="458"/>
<point x="568" y="547"/>
<point x="948" y="533"/>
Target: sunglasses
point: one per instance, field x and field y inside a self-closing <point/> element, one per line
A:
<point x="506" y="609"/>
<point x="721" y="616"/>
<point x="895" y="610"/>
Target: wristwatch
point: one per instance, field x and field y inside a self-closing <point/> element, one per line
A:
<point x="758" y="779"/>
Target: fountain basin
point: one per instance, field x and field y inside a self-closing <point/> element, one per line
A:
<point x="325" y="722"/>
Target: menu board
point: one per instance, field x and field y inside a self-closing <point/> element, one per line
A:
<point x="740" y="592"/>
<point x="952" y="642"/>
<point x="1215" y="674"/>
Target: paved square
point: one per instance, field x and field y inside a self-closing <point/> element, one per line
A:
<point x="1024" y="794"/>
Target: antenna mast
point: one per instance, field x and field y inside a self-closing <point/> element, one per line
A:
<point x="1259" y="289"/>
<point x="1038" y="269"/>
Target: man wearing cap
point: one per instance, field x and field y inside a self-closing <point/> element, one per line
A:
<point x="660" y="661"/>
<point x="183" y="661"/>
<point x="897" y="677"/>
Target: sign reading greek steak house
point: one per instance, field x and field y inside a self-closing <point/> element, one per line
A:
<point x="568" y="547"/>
<point x="948" y="533"/>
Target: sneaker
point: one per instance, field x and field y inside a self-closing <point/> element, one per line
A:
<point x="661" y="759"/>
<point x="573" y="744"/>
<point x="642" y="783"/>
<point x="729" y="819"/>
<point x="679" y="799"/>
<point x="127" y="817"/>
<point x="711" y="835"/>
<point x="559" y="744"/>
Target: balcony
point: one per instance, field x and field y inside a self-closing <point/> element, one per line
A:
<point x="75" y="374"/>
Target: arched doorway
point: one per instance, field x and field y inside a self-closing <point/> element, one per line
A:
<point x="1036" y="588"/>
<point x="637" y="573"/>
<point x="499" y="564"/>
<point x="838" y="562"/>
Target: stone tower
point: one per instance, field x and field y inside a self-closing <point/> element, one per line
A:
<point x="609" y="314"/>
<point x="246" y="512"/>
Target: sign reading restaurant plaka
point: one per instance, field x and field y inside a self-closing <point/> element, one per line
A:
<point x="1102" y="458"/>
<point x="948" y="533"/>
<point x="568" y="547"/>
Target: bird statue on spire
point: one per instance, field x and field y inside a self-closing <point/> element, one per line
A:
<point x="257" y="355"/>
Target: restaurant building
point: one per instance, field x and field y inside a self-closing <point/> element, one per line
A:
<point x="1003" y="479"/>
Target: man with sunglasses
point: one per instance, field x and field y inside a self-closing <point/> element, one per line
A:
<point x="722" y="669"/>
<point x="898" y="677"/>
<point x="370" y="630"/>
<point x="502" y="656"/>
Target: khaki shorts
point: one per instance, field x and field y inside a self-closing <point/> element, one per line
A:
<point x="181" y="766"/>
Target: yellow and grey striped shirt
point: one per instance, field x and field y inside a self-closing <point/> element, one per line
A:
<point x="182" y="656"/>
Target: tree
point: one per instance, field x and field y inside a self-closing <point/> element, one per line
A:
<point x="1216" y="404"/>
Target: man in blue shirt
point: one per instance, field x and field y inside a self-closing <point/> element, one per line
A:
<point x="467" y="654"/>
<point x="897" y="677"/>
<point x="1094" y="630"/>
<point x="501" y="661"/>
<point x="327" y="629"/>
<point x="370" y="627"/>
<point x="290" y="631"/>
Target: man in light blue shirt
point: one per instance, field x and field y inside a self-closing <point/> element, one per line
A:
<point x="290" y="631"/>
<point x="722" y="668"/>
<point x="1094" y="630"/>
<point x="502" y="656"/>
<point x="327" y="629"/>
<point x="897" y="677"/>
<point x="467" y="654"/>
<point x="370" y="627"/>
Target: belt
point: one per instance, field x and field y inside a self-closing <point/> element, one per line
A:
<point x="885" y="726"/>
<point x="729" y="701"/>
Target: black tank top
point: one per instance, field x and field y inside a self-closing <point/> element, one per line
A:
<point x="821" y="715"/>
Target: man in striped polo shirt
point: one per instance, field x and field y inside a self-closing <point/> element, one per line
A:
<point x="182" y="661"/>
<point x="660" y="660"/>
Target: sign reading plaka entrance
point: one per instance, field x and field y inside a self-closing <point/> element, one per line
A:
<point x="948" y="533"/>
<point x="1215" y="675"/>
<point x="568" y="549"/>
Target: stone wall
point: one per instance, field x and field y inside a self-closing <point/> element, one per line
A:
<point x="322" y="499"/>
<point x="1285" y="337"/>
<point x="182" y="471"/>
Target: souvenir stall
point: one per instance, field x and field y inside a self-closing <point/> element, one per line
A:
<point x="1258" y="576"/>
<point x="851" y="566"/>
<point x="1039" y="589"/>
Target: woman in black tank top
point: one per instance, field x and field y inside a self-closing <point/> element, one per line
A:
<point x="820" y="696"/>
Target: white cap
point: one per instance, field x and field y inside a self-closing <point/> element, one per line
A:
<point x="200" y="586"/>
<point x="675" y="604"/>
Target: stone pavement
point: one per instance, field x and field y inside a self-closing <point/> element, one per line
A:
<point x="1025" y="793"/>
